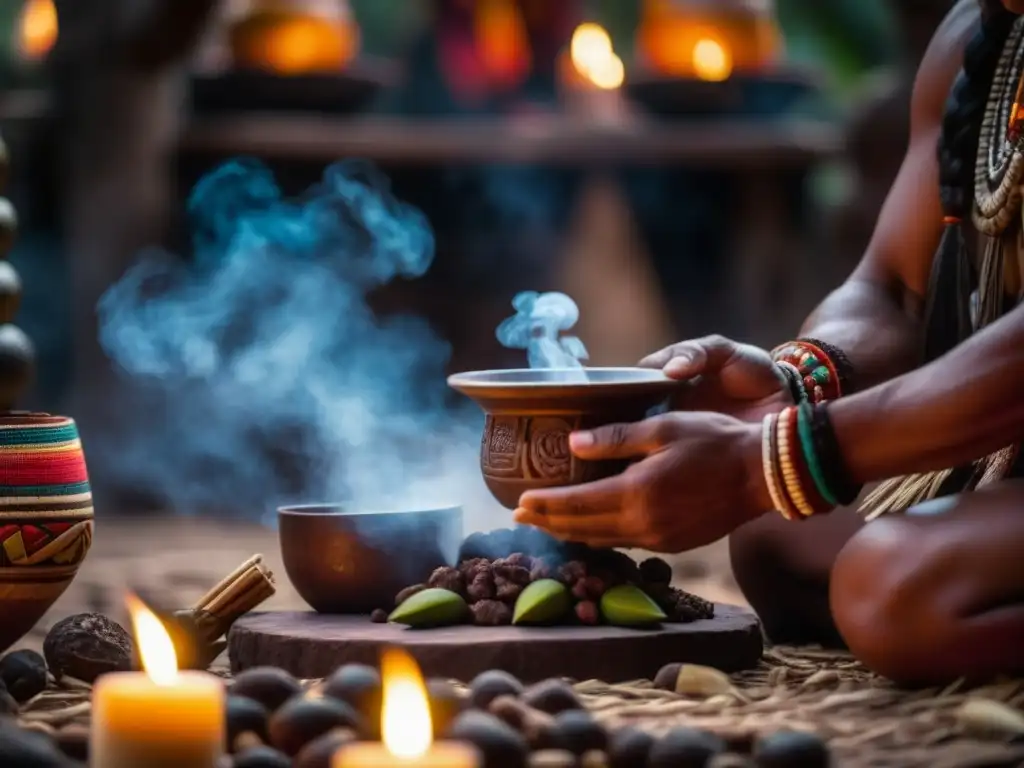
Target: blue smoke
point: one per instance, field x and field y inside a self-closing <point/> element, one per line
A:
<point x="263" y="353"/>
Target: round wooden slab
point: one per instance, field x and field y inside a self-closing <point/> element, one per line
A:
<point x="311" y="645"/>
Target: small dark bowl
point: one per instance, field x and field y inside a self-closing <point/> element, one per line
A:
<point x="530" y="413"/>
<point x="354" y="562"/>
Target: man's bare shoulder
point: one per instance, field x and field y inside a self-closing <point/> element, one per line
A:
<point x="941" y="63"/>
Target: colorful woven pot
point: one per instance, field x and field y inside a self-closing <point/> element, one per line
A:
<point x="45" y="517"/>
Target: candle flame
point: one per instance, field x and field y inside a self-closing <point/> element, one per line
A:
<point x="594" y="57"/>
<point x="406" y="729"/>
<point x="711" y="60"/>
<point x="155" y="647"/>
<point x="37" y="29"/>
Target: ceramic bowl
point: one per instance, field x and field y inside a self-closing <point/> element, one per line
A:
<point x="345" y="561"/>
<point x="45" y="517"/>
<point x="530" y="413"/>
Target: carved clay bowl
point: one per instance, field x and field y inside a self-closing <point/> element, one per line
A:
<point x="344" y="562"/>
<point x="530" y="414"/>
<point x="45" y="517"/>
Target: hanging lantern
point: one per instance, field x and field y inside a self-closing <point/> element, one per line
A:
<point x="708" y="39"/>
<point x="294" y="37"/>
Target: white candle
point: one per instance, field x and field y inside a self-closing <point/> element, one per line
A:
<point x="158" y="718"/>
<point x="406" y="730"/>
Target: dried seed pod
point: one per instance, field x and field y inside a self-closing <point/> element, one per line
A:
<point x="572" y="572"/>
<point x="541" y="570"/>
<point x="379" y="616"/>
<point x="23" y="673"/>
<point x="792" y="749"/>
<point x="86" y="646"/>
<point x="552" y="696"/>
<point x="448" y="578"/>
<point x="692" y="680"/>
<point x="515" y="574"/>
<point x="538" y="728"/>
<point x="589" y="588"/>
<point x="508" y="591"/>
<point x="489" y="685"/>
<point x="301" y="720"/>
<point x="270" y="686"/>
<point x="481" y="587"/>
<point x="987" y="718"/>
<point x="408" y="592"/>
<point x="491" y="613"/>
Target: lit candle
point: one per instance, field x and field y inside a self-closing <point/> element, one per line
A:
<point x="406" y="730"/>
<point x="158" y="718"/>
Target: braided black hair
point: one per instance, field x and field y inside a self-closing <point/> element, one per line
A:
<point x="948" y="315"/>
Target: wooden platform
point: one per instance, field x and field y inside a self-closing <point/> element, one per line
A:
<point x="313" y="645"/>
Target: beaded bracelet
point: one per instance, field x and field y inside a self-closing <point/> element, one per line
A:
<point x="768" y="463"/>
<point x="830" y="459"/>
<point x="797" y="390"/>
<point x="840" y="362"/>
<point x="793" y="471"/>
<point x="816" y="369"/>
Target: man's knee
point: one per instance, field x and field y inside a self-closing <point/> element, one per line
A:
<point x="883" y="596"/>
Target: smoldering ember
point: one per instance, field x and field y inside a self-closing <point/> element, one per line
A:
<point x="381" y="447"/>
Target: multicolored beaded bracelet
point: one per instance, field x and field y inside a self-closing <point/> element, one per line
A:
<point x="815" y="368"/>
<point x="798" y="483"/>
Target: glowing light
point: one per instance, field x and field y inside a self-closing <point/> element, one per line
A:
<point x="594" y="58"/>
<point x="156" y="649"/>
<point x="406" y="729"/>
<point x="711" y="60"/>
<point x="37" y="29"/>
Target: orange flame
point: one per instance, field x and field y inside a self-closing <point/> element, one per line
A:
<point x="405" y="717"/>
<point x="37" y="29"/>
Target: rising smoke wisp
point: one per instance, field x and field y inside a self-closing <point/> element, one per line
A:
<point x="265" y="345"/>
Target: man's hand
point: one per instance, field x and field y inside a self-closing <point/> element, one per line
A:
<point x="725" y="377"/>
<point x="699" y="479"/>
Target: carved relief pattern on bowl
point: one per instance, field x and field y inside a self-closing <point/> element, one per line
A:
<point x="528" y="447"/>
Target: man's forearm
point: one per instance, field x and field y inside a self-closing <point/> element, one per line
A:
<point x="954" y="410"/>
<point x="877" y="330"/>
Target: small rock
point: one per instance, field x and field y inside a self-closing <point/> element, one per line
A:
<point x="552" y="696"/>
<point x="379" y="616"/>
<point x="552" y="758"/>
<point x="792" y="749"/>
<point x="21" y="749"/>
<point x="86" y="646"/>
<point x="270" y="686"/>
<point x="629" y="748"/>
<point x="359" y="686"/>
<point x="8" y="706"/>
<point x="261" y="757"/>
<point x="577" y="731"/>
<point x="24" y="674"/>
<point x="301" y="720"/>
<point x="489" y="685"/>
<point x="446" y="703"/>
<point x="245" y="715"/>
<point x="319" y="752"/>
<point x="684" y="748"/>
<point x="499" y="745"/>
<point x="73" y="741"/>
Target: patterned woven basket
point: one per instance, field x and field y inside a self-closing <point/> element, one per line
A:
<point x="45" y="517"/>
